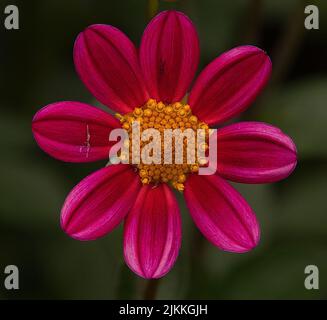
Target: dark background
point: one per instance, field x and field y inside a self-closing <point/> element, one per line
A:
<point x="36" y="68"/>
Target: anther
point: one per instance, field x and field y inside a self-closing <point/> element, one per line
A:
<point x="160" y="116"/>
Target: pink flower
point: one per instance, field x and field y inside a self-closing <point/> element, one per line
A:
<point x="122" y="78"/>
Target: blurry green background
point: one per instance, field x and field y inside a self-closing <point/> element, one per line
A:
<point x="36" y="68"/>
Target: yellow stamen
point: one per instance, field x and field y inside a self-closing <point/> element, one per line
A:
<point x="164" y="116"/>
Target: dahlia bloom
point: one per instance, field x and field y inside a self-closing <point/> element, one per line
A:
<point x="159" y="74"/>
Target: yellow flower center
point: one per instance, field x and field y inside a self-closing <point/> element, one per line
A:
<point x="160" y="116"/>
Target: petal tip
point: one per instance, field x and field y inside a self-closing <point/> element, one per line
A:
<point x="230" y="84"/>
<point x="106" y="61"/>
<point x="152" y="233"/>
<point x="99" y="203"/>
<point x="255" y="152"/>
<point x="222" y="214"/>
<point x="253" y="242"/>
<point x="169" y="46"/>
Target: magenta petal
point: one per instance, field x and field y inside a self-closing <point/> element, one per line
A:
<point x="254" y="152"/>
<point x="229" y="84"/>
<point x="74" y="131"/>
<point x="100" y="202"/>
<point x="221" y="213"/>
<point x="169" y="55"/>
<point x="152" y="232"/>
<point x="107" y="63"/>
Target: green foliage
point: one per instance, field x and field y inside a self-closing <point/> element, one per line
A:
<point x="297" y="108"/>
